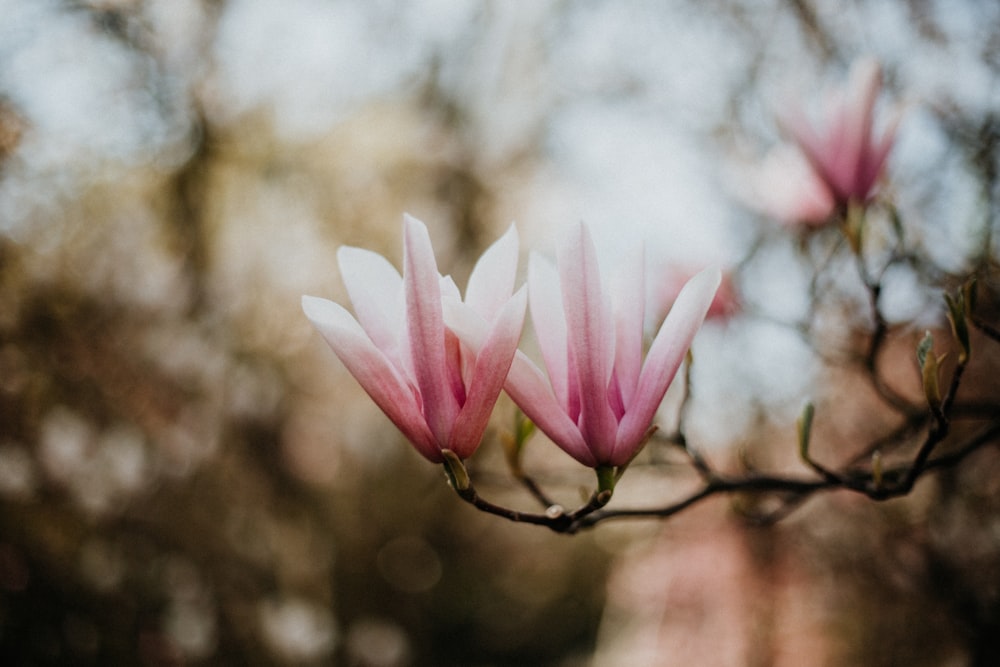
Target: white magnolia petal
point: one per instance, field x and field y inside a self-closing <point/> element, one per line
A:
<point x="545" y="301"/>
<point x="525" y="384"/>
<point x="376" y="291"/>
<point x="664" y="358"/>
<point x="449" y="290"/>
<point x="489" y="373"/>
<point x="373" y="371"/>
<point x="492" y="279"/>
<point x="527" y="387"/>
<point x="630" y="317"/>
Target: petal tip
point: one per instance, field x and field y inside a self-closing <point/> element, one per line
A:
<point x="412" y="221"/>
<point x="311" y="305"/>
<point x="321" y="312"/>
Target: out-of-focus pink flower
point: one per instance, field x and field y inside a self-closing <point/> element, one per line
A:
<point x="838" y="160"/>
<point x="785" y="186"/>
<point x="725" y="304"/>
<point x="845" y="151"/>
<point x="439" y="393"/>
<point x="600" y="397"/>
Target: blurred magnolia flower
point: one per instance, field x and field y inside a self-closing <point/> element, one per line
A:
<point x="600" y="399"/>
<point x="437" y="392"/>
<point x="838" y="161"/>
<point x="846" y="152"/>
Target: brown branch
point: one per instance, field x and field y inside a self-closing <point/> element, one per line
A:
<point x="987" y="329"/>
<point x="938" y="430"/>
<point x="869" y="480"/>
<point x="896" y="482"/>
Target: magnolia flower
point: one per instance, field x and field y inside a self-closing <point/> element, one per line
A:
<point x="846" y="153"/>
<point x="832" y="163"/>
<point x="437" y="392"/>
<point x="600" y="397"/>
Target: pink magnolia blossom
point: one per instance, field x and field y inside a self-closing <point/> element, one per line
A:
<point x="832" y="163"/>
<point x="846" y="153"/>
<point x="439" y="393"/>
<point x="601" y="396"/>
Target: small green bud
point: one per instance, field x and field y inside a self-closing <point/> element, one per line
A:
<point x="525" y="428"/>
<point x="805" y="430"/>
<point x="959" y="327"/>
<point x="925" y="345"/>
<point x="929" y="372"/>
<point x="513" y="445"/>
<point x="854" y="225"/>
<point x="897" y="223"/>
<point x="458" y="476"/>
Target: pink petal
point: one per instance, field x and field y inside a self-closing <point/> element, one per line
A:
<point x="841" y="150"/>
<point x="458" y="368"/>
<point x="373" y="371"/>
<point x="806" y="137"/>
<point x="630" y="317"/>
<point x="493" y="360"/>
<point x="875" y="160"/>
<point x="527" y="387"/>
<point x="449" y="290"/>
<point x="785" y="186"/>
<point x="545" y="301"/>
<point x="376" y="292"/>
<point x="492" y="279"/>
<point x="591" y="339"/>
<point x="525" y="384"/>
<point x="664" y="358"/>
<point x="863" y="87"/>
<point x="425" y="328"/>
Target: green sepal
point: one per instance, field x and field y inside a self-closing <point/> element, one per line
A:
<point x="513" y="445"/>
<point x="924" y="347"/>
<point x="897" y="223"/>
<point x="455" y="470"/>
<point x="854" y="225"/>
<point x="805" y="430"/>
<point x="929" y="376"/>
<point x="606" y="478"/>
<point x="525" y="428"/>
<point x="959" y="326"/>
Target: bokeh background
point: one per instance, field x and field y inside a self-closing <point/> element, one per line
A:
<point x="189" y="476"/>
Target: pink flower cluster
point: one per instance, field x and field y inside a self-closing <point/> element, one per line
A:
<point x="435" y="363"/>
